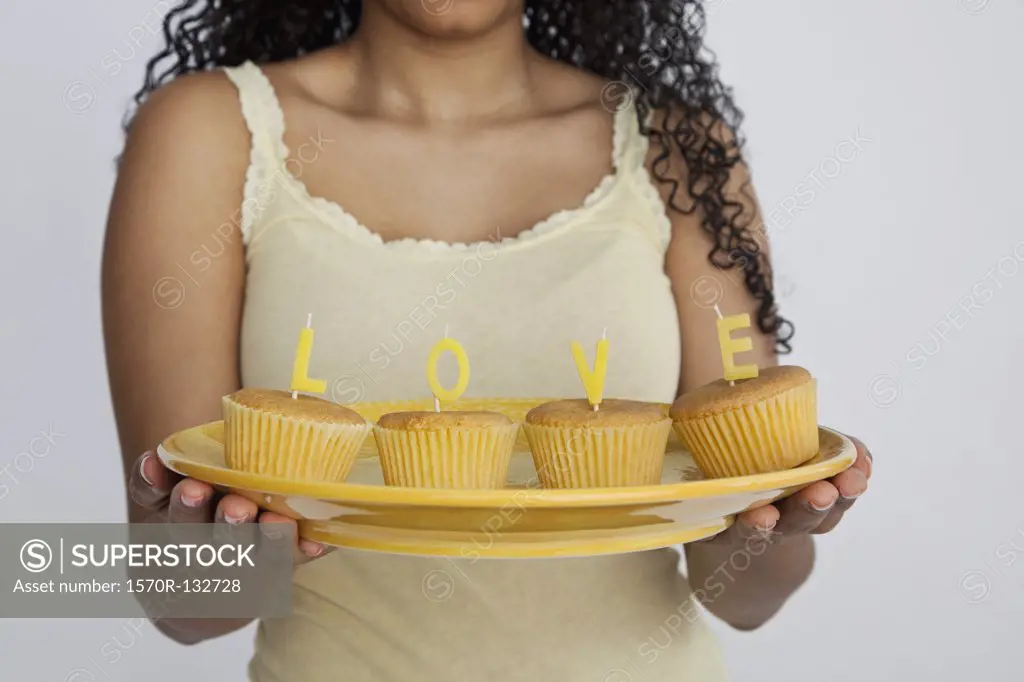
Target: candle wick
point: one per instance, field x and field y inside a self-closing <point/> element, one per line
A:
<point x="596" y="406"/>
<point x="732" y="383"/>
<point x="309" y="320"/>
<point x="295" y="395"/>
<point x="604" y="334"/>
<point x="718" y="311"/>
<point x="437" y="401"/>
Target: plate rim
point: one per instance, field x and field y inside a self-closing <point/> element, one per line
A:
<point x="571" y="547"/>
<point x="378" y="495"/>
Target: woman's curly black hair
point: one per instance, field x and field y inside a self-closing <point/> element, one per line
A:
<point x="655" y="47"/>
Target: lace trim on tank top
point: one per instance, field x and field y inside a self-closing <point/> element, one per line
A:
<point x="269" y="154"/>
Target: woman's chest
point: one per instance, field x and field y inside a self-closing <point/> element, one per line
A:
<point x="404" y="181"/>
<point x="515" y="307"/>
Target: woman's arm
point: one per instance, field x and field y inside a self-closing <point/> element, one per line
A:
<point x="745" y="574"/>
<point x="172" y="282"/>
<point x="773" y="569"/>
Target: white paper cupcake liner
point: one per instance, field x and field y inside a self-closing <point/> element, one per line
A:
<point x="574" y="457"/>
<point x="288" y="447"/>
<point x="446" y="458"/>
<point x="778" y="433"/>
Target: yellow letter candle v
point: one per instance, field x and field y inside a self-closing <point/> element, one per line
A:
<point x="300" y="370"/>
<point x="593" y="381"/>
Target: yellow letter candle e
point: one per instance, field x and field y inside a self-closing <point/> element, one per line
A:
<point x="593" y="381"/>
<point x="300" y="370"/>
<point x="439" y="391"/>
<point x="731" y="346"/>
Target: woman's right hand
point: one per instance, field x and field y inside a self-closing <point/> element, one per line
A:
<point x="175" y="499"/>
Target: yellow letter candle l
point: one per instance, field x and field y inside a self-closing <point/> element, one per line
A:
<point x="731" y="346"/>
<point x="593" y="381"/>
<point x="300" y="370"/>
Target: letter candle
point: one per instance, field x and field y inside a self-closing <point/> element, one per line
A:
<point x="300" y="370"/>
<point x="731" y="346"/>
<point x="593" y="381"/>
<point x="439" y="391"/>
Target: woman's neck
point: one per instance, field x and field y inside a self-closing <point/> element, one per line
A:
<point x="407" y="74"/>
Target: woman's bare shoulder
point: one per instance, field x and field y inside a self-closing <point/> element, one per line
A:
<point x="184" y="162"/>
<point x="198" y="113"/>
<point x="567" y="88"/>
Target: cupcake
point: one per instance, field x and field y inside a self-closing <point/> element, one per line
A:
<point x="445" y="449"/>
<point x="574" y="446"/>
<point x="764" y="424"/>
<point x="301" y="438"/>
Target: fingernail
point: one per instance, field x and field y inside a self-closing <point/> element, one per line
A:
<point x="312" y="550"/>
<point x="271" y="531"/>
<point x="854" y="496"/>
<point x="821" y="509"/>
<point x="142" y="469"/>
<point x="236" y="520"/>
<point x="191" y="500"/>
<point x="767" y="529"/>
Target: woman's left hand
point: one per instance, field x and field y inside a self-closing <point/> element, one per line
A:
<point x="816" y="509"/>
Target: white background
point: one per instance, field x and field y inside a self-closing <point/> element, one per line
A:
<point x="921" y="582"/>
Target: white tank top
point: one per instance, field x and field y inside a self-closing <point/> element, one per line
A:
<point x="515" y="304"/>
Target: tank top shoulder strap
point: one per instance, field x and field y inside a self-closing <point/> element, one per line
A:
<point x="261" y="110"/>
<point x="631" y="146"/>
<point x="264" y="118"/>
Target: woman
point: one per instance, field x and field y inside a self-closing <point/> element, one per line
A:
<point x="525" y="173"/>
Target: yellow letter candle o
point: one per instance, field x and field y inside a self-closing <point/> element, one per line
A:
<point x="439" y="391"/>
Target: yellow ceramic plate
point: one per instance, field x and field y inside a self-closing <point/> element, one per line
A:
<point x="522" y="520"/>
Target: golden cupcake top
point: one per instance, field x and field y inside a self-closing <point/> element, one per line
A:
<point x="307" y="407"/>
<point x="611" y="412"/>
<point x="719" y="396"/>
<point x="436" y="421"/>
